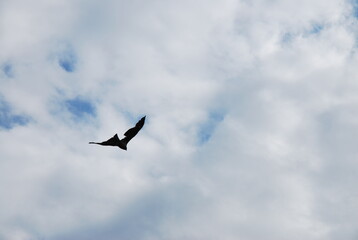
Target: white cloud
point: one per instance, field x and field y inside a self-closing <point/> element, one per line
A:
<point x="279" y="161"/>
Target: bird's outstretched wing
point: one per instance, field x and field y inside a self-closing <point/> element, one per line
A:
<point x="130" y="133"/>
<point x="113" y="141"/>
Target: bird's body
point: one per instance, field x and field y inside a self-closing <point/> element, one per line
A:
<point x="113" y="141"/>
<point x="129" y="134"/>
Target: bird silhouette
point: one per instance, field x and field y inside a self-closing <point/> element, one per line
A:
<point x="129" y="134"/>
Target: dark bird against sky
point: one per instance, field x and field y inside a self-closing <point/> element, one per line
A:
<point x="122" y="143"/>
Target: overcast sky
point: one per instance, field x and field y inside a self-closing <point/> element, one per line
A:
<point x="251" y="131"/>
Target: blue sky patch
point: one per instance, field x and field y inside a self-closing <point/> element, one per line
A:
<point x="355" y="8"/>
<point x="7" y="119"/>
<point x="287" y="37"/>
<point x="207" y="128"/>
<point x="80" y="107"/>
<point x="316" y="28"/>
<point x="67" y="60"/>
<point x="7" y="69"/>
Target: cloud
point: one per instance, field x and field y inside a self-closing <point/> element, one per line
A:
<point x="250" y="131"/>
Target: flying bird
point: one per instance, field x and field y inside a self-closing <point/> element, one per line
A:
<point x="122" y="143"/>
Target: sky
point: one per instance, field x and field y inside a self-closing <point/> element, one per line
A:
<point x="251" y="128"/>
